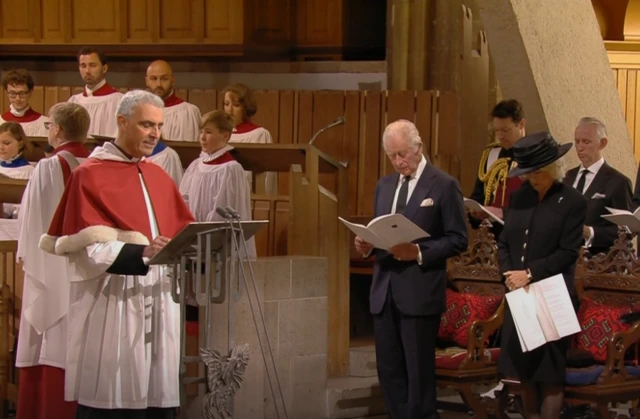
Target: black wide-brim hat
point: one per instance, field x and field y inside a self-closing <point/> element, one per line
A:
<point x="536" y="151"/>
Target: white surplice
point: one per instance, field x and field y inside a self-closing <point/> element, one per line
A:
<point x="102" y="111"/>
<point x="259" y="135"/>
<point x="209" y="186"/>
<point x="33" y="128"/>
<point x="45" y="296"/>
<point x="169" y="160"/>
<point x="123" y="331"/>
<point x="181" y="122"/>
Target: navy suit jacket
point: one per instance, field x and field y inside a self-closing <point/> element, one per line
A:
<point x="420" y="289"/>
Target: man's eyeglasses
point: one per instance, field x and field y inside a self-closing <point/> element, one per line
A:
<point x="47" y="124"/>
<point x="14" y="95"/>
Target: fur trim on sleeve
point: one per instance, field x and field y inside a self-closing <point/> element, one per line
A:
<point x="95" y="234"/>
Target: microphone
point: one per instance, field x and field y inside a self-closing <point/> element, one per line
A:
<point x="339" y="121"/>
<point x="223" y="212"/>
<point x="232" y="213"/>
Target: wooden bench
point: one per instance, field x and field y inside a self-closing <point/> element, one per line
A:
<point x="608" y="286"/>
<point x="476" y="279"/>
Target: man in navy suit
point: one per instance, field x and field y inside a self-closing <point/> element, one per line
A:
<point x="407" y="295"/>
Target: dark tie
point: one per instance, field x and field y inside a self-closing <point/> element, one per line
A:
<point x="582" y="180"/>
<point x="401" y="203"/>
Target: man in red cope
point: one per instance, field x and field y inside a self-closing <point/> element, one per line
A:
<point x="19" y="87"/>
<point x="116" y="213"/>
<point x="99" y="98"/>
<point x="42" y="343"/>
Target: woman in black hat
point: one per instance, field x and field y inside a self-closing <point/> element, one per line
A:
<point x="542" y="237"/>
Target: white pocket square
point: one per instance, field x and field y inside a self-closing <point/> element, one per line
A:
<point x="427" y="203"/>
<point x="598" y="196"/>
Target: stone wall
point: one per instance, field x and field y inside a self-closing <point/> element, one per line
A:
<point x="293" y="296"/>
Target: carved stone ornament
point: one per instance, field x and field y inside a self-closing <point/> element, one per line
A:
<point x="224" y="377"/>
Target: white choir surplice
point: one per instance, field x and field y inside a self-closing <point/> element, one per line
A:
<point x="101" y="103"/>
<point x="45" y="298"/>
<point x="181" y="120"/>
<point x="167" y="158"/>
<point x="112" y="309"/>
<point x="247" y="132"/>
<point x="213" y="181"/>
<point x="32" y="122"/>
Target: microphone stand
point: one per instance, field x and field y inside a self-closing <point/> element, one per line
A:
<point x="339" y="121"/>
<point x="235" y="216"/>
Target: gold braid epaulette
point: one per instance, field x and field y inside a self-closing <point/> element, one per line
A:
<point x="494" y="175"/>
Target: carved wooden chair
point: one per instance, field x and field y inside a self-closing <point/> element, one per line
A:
<point x="474" y="313"/>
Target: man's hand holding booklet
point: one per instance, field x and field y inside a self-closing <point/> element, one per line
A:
<point x="386" y="231"/>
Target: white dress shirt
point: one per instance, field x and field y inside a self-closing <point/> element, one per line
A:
<point x="413" y="181"/>
<point x="592" y="171"/>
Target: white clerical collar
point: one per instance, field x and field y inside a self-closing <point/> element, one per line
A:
<point x="206" y="157"/>
<point x="96" y="87"/>
<point x="594" y="168"/>
<point x="18" y="113"/>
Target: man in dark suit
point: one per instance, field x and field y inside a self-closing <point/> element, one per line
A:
<point x="408" y="291"/>
<point x="601" y="184"/>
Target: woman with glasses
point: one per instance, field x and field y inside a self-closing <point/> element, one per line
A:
<point x="18" y="84"/>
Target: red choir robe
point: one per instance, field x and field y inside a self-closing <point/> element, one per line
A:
<point x="101" y="104"/>
<point x="41" y="348"/>
<point x="248" y="132"/>
<point x="124" y="333"/>
<point x="181" y="120"/>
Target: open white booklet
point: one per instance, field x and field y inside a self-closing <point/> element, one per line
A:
<point x="386" y="231"/>
<point x="475" y="206"/>
<point x="543" y="313"/>
<point x="624" y="218"/>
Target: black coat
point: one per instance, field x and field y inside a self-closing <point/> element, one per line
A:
<point x="544" y="237"/>
<point x="420" y="290"/>
<point x="609" y="188"/>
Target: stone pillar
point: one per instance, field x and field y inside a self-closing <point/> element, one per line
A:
<point x="408" y="28"/>
<point x="549" y="54"/>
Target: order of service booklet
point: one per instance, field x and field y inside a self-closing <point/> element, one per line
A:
<point x="386" y="231"/>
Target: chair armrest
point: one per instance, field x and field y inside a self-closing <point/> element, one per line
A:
<point x="614" y="367"/>
<point x="479" y="332"/>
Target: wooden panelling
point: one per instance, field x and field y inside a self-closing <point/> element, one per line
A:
<point x="319" y="22"/>
<point x="223" y="22"/>
<point x="294" y="116"/>
<point x="181" y="21"/>
<point x="97" y="21"/>
<point x="17" y="20"/>
<point x="268" y="22"/>
<point x="141" y="18"/>
<point x="298" y="30"/>
<point x="52" y="16"/>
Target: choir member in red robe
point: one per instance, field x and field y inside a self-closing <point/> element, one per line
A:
<point x="116" y="213"/>
<point x="216" y="179"/>
<point x="42" y="340"/>
<point x="18" y="84"/>
<point x="99" y="98"/>
<point x="240" y="103"/>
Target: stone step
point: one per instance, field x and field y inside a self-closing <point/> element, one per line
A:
<point x="354" y="397"/>
<point x="362" y="361"/>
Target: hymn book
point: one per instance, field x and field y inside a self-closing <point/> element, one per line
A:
<point x="386" y="231"/>
<point x="543" y="312"/>
<point x="475" y="206"/>
<point x="624" y="218"/>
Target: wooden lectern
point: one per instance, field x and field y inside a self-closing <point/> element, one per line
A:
<point x="317" y="196"/>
